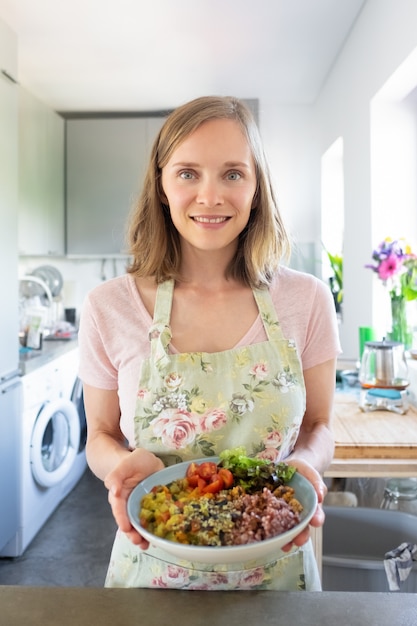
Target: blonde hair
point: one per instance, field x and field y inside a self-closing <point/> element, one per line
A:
<point x="153" y="241"/>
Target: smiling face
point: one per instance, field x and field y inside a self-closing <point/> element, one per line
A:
<point x="209" y="183"/>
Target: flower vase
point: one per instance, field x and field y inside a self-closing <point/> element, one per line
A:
<point x="400" y="330"/>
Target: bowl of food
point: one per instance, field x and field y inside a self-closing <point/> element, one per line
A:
<point x="206" y="511"/>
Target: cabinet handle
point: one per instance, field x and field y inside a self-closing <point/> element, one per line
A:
<point x="9" y="77"/>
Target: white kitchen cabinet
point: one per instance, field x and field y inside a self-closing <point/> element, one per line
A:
<point x="41" y="178"/>
<point x="106" y="159"/>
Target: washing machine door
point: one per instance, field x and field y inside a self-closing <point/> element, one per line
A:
<point x="55" y="442"/>
<point x="77" y="398"/>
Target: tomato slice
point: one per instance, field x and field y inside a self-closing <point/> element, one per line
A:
<point x="216" y="484"/>
<point x="192" y="469"/>
<point x="227" y="477"/>
<point x="207" y="469"/>
<point x="208" y="478"/>
<point x="193" y="480"/>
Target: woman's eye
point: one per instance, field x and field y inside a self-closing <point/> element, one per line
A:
<point x="234" y="176"/>
<point x="186" y="175"/>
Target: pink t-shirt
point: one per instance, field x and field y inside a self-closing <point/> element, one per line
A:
<point x="114" y="326"/>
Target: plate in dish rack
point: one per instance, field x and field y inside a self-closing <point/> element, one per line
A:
<point x="304" y="493"/>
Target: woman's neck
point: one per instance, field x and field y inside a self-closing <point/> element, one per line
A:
<point x="210" y="268"/>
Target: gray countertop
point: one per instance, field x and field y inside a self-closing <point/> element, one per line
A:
<point x="50" y="606"/>
<point x="30" y="360"/>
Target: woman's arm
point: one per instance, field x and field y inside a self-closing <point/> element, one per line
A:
<point x="106" y="446"/>
<point x="109" y="457"/>
<point x="315" y="443"/>
<point x="314" y="449"/>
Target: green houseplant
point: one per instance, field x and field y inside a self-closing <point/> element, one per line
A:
<point x="336" y="280"/>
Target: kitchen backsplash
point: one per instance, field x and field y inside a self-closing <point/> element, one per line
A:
<point x="79" y="275"/>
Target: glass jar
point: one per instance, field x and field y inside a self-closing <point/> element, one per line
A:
<point x="400" y="494"/>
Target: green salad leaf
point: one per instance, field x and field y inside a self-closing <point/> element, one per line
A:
<point x="254" y="474"/>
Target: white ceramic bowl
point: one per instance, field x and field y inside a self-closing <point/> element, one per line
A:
<point x="304" y="492"/>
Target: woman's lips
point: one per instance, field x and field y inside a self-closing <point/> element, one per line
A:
<point x="209" y="220"/>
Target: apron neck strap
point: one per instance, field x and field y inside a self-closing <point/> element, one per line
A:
<point x="163" y="303"/>
<point x="268" y="314"/>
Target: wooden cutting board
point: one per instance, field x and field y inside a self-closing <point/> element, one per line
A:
<point x="375" y="435"/>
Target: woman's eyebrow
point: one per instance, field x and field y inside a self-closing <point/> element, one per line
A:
<point x="237" y="164"/>
<point x="226" y="164"/>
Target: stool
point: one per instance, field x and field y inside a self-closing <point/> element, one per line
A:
<point x="399" y="490"/>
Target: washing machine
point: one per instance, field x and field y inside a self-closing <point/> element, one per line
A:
<point x="52" y="446"/>
<point x="72" y="390"/>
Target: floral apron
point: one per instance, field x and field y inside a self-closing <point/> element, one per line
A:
<point x="194" y="405"/>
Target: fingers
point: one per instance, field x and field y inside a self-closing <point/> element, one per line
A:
<point x="320" y="487"/>
<point x="121" y="481"/>
<point x="317" y="520"/>
<point x="312" y="475"/>
<point x="113" y="483"/>
<point x="137" y="539"/>
<point x="118" y="507"/>
<point x="299" y="540"/>
<point x="318" y="517"/>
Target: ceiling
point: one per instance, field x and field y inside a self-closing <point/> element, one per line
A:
<point x="132" y="55"/>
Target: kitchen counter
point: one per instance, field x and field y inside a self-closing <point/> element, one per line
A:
<point x="27" y="606"/>
<point x="379" y="443"/>
<point x="369" y="445"/>
<point x="30" y="360"/>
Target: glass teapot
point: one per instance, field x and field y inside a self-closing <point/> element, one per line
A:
<point x="383" y="365"/>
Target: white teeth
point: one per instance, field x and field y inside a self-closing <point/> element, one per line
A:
<point x="210" y="220"/>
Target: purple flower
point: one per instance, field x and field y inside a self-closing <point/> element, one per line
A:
<point x="396" y="267"/>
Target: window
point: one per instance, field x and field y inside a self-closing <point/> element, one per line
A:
<point x="332" y="209"/>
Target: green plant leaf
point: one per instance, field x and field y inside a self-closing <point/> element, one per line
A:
<point x="336" y="263"/>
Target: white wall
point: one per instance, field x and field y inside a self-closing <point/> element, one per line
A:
<point x="290" y="137"/>
<point x="383" y="37"/>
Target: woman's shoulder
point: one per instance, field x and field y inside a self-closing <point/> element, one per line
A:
<point x="299" y="294"/>
<point x="306" y="311"/>
<point x="111" y="288"/>
<point x="115" y="294"/>
<point x="114" y="300"/>
<point x="294" y="280"/>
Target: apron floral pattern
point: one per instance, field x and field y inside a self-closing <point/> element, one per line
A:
<point x="194" y="405"/>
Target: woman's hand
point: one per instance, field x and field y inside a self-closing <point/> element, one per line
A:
<point x="121" y="481"/>
<point x="312" y="475"/>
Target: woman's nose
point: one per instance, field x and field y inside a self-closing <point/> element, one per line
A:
<point x="210" y="193"/>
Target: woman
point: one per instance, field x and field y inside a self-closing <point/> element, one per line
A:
<point x="207" y="343"/>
